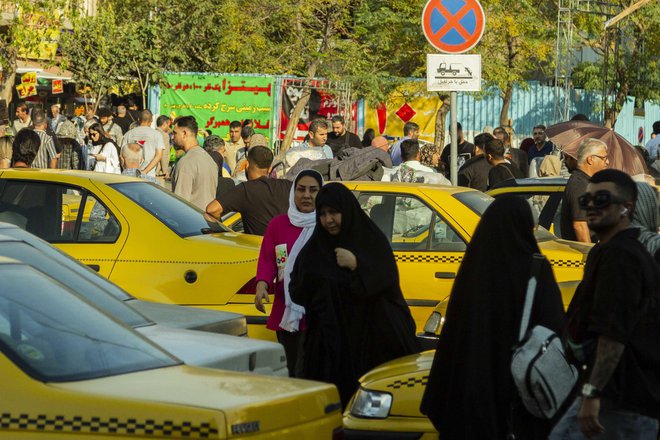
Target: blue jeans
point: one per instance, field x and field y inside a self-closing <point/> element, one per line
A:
<point x="618" y="424"/>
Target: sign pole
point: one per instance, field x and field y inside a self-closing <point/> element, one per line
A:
<point x="447" y="28"/>
<point x="453" y="149"/>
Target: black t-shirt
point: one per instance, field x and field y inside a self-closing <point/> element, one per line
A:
<point x="258" y="201"/>
<point x="338" y="143"/>
<point x="124" y="122"/>
<point x="503" y="171"/>
<point x="474" y="173"/>
<point x="570" y="209"/>
<point x="464" y="151"/>
<point x="619" y="298"/>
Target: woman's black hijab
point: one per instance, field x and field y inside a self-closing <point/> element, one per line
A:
<point x="470" y="390"/>
<point x="358" y="233"/>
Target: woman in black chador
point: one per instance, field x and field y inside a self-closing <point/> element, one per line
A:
<point x="348" y="282"/>
<point x="470" y="392"/>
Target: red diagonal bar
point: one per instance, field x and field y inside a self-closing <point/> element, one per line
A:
<point x="453" y="20"/>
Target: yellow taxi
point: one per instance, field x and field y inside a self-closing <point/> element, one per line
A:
<point x="429" y="227"/>
<point x="152" y="243"/>
<point x="70" y="371"/>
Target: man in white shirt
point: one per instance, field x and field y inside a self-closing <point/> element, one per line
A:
<point x="411" y="170"/>
<point x="22" y="119"/>
<point x="315" y="147"/>
<point x="150" y="140"/>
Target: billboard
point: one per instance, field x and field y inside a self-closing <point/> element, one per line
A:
<point x="216" y="100"/>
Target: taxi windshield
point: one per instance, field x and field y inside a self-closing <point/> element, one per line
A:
<point x="54" y="336"/>
<point x="479" y="202"/>
<point x="180" y="216"/>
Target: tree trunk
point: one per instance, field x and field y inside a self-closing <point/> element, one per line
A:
<point x="506" y="104"/>
<point x="8" y="80"/>
<point x="440" y="123"/>
<point x="297" y="110"/>
<point x="612" y="112"/>
<point x="7" y="86"/>
<point x="304" y="99"/>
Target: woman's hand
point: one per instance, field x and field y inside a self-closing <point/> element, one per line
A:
<point x="346" y="258"/>
<point x="261" y="296"/>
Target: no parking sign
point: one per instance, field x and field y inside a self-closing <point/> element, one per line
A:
<point x="453" y="26"/>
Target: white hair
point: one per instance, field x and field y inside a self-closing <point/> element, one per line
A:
<point x="588" y="148"/>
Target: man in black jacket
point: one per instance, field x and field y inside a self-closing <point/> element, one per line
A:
<point x="474" y="172"/>
<point x="613" y="325"/>
<point x="340" y="138"/>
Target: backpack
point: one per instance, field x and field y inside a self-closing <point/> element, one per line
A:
<point x="540" y="370"/>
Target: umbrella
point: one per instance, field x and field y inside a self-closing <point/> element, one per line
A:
<point x="622" y="155"/>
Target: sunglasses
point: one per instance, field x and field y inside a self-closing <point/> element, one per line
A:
<point x="599" y="200"/>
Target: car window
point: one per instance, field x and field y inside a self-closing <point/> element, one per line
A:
<point x="66" y="260"/>
<point x="475" y="200"/>
<point x="180" y="216"/>
<point x="57" y="213"/>
<point x="409" y="224"/>
<point x="80" y="284"/>
<point x="54" y="336"/>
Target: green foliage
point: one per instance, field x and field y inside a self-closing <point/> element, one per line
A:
<point x="632" y="50"/>
<point x="518" y="42"/>
<point x="32" y="29"/>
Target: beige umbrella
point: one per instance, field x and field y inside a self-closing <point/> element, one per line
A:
<point x="622" y="155"/>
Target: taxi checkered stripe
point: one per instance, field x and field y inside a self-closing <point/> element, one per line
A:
<point x="111" y="425"/>
<point x="411" y="382"/>
<point x="567" y="263"/>
<point x="428" y="258"/>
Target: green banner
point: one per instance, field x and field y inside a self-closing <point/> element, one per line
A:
<point x="217" y="100"/>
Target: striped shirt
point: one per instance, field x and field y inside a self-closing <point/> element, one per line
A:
<point x="46" y="151"/>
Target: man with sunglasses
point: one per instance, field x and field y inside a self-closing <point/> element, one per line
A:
<point x="613" y="326"/>
<point x="591" y="158"/>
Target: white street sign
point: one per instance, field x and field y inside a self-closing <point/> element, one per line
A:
<point x="453" y="73"/>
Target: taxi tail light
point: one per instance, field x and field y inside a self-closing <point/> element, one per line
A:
<point x="250" y="288"/>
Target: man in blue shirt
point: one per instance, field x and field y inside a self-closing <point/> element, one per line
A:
<point x="652" y="145"/>
<point x="410" y="131"/>
<point x="542" y="147"/>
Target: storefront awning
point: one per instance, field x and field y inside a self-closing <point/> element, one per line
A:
<point x="50" y="73"/>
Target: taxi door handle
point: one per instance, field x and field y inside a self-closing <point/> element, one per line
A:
<point x="445" y="275"/>
<point x="94" y="267"/>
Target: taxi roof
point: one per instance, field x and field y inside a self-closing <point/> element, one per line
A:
<point x="374" y="186"/>
<point x="73" y="175"/>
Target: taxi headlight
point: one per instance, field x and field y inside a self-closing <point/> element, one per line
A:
<point x="433" y="323"/>
<point x="371" y="404"/>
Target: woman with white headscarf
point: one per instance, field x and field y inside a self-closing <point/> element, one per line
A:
<point x="646" y="218"/>
<point x="284" y="238"/>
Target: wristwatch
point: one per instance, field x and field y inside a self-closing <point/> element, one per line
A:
<point x="589" y="391"/>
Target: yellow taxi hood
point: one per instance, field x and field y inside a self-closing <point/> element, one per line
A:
<point x="405" y="378"/>
<point x="398" y="368"/>
<point x="250" y="403"/>
<point x="237" y="240"/>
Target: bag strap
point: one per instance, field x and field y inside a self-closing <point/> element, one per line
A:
<point x="529" y="296"/>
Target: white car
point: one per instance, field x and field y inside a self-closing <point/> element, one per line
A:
<point x="194" y="347"/>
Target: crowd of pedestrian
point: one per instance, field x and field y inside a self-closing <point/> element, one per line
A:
<point x="338" y="308"/>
